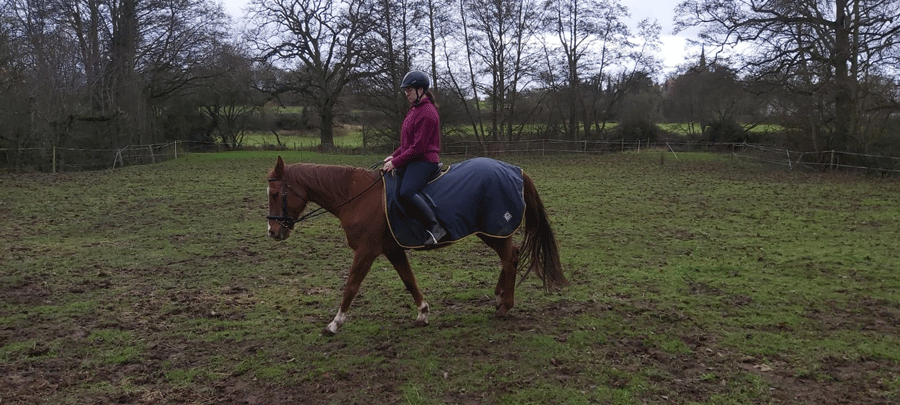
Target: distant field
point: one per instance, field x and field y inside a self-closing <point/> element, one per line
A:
<point x="685" y="128"/>
<point x="352" y="139"/>
<point x="694" y="280"/>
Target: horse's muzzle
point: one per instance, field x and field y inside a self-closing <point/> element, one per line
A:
<point x="279" y="233"/>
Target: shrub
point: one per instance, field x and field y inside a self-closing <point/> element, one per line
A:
<point x="725" y="130"/>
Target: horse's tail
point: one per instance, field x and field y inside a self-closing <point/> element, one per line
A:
<point x="539" y="252"/>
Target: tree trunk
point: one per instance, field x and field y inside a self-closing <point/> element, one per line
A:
<point x="124" y="81"/>
<point x="843" y="93"/>
<point x="327" y="132"/>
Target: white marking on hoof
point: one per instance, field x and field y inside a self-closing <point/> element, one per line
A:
<point x="422" y="318"/>
<point x="333" y="327"/>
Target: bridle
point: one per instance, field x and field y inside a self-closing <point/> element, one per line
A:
<point x="288" y="221"/>
<point x="284" y="219"/>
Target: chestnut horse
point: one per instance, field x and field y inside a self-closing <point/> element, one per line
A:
<point x="354" y="196"/>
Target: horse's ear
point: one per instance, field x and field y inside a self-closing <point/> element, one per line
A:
<point x="279" y="167"/>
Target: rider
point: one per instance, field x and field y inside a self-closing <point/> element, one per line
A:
<point x="418" y="156"/>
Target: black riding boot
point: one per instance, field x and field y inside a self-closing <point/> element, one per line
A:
<point x="434" y="231"/>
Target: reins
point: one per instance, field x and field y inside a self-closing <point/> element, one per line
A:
<point x="285" y="220"/>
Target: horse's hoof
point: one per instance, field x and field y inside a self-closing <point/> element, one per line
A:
<point x="419" y="324"/>
<point x="501" y="312"/>
<point x="327" y="332"/>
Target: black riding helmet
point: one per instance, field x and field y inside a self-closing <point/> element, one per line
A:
<point x="415" y="78"/>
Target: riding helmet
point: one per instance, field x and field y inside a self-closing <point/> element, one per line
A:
<point x="415" y="78"/>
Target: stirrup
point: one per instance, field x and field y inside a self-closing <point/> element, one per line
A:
<point x="431" y="238"/>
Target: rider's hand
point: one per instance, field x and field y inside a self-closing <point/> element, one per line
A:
<point x="388" y="166"/>
<point x="388" y="159"/>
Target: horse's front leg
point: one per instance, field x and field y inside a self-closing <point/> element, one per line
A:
<point x="362" y="263"/>
<point x="397" y="257"/>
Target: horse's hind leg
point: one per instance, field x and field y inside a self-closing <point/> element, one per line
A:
<point x="362" y="263"/>
<point x="398" y="259"/>
<point x="506" y="284"/>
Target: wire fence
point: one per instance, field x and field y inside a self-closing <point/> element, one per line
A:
<point x="59" y="159"/>
<point x="774" y="155"/>
<point x="65" y="159"/>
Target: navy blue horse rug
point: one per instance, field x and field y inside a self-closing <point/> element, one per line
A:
<point x="479" y="195"/>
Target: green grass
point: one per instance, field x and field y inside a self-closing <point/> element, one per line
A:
<point x="688" y="127"/>
<point x="699" y="280"/>
<point x="350" y="139"/>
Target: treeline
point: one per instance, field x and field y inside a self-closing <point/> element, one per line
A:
<point x="108" y="73"/>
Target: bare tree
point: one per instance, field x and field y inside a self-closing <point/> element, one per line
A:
<point x="595" y="45"/>
<point x="14" y="112"/>
<point x="101" y="71"/>
<point x="497" y="35"/>
<point x="439" y="19"/>
<point x="324" y="40"/>
<point x="637" y="63"/>
<point x="44" y="91"/>
<point x="406" y="38"/>
<point x="392" y="46"/>
<point x="819" y="53"/>
<point x="227" y="96"/>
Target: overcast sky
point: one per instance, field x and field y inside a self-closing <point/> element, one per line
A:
<point x="673" y="48"/>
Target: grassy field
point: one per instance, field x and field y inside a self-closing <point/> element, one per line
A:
<point x="694" y="280"/>
<point x="695" y="127"/>
<point x="352" y="139"/>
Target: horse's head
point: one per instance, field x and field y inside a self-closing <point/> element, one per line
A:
<point x="287" y="199"/>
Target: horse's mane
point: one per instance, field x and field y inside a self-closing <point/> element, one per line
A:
<point x="329" y="182"/>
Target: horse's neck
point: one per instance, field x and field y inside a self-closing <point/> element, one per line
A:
<point x="327" y="186"/>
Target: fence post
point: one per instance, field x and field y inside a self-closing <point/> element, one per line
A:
<point x="118" y="158"/>
<point x="176" y="149"/>
<point x="54" y="159"/>
<point x="831" y="164"/>
<point x="673" y="151"/>
<point x="152" y="158"/>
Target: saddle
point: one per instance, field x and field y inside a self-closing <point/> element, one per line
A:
<point x="437" y="173"/>
<point x="479" y="195"/>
